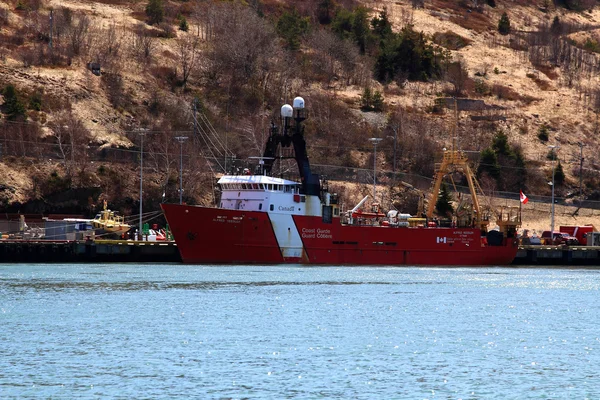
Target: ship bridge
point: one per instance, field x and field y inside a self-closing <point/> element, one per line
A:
<point x="266" y="193"/>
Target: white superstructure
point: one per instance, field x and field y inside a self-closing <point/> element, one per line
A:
<point x="268" y="194"/>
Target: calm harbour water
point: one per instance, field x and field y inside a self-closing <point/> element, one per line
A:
<point x="216" y="332"/>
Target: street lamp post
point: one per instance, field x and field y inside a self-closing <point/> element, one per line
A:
<point x="181" y="139"/>
<point x="375" y="142"/>
<point x="142" y="133"/>
<point x="553" y="149"/>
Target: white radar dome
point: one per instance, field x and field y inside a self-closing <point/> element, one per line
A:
<point x="298" y="103"/>
<point x="287" y="111"/>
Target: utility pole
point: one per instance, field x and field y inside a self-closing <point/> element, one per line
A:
<point x="181" y="139"/>
<point x="195" y="107"/>
<point x="375" y="142"/>
<point x="581" y="145"/>
<point x="395" y="129"/>
<point x="51" y="28"/>
<point x="553" y="148"/>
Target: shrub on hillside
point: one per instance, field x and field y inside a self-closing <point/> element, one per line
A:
<point x="450" y="40"/>
<point x="576" y="5"/>
<point x="543" y="133"/>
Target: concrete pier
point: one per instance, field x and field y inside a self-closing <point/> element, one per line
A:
<point x="558" y="255"/>
<point x="42" y="251"/>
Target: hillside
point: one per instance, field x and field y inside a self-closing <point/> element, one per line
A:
<point x="72" y="138"/>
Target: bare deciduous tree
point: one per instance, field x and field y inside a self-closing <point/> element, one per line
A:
<point x="143" y="43"/>
<point x="188" y="47"/>
<point x="336" y="58"/>
<point x="242" y="44"/>
<point x="457" y="75"/>
<point x="77" y="34"/>
<point x="71" y="138"/>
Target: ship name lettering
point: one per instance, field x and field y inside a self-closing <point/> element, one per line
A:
<point x="282" y="208"/>
<point x="324" y="234"/>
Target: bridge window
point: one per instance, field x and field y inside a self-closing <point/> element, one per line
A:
<point x="271" y="207"/>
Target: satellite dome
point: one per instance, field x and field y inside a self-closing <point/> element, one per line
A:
<point x="298" y="103"/>
<point x="287" y="111"/>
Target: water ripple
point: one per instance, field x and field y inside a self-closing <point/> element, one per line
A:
<point x="172" y="331"/>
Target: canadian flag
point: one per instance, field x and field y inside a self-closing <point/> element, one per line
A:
<point x="523" y="198"/>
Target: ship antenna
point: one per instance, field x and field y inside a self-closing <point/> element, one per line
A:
<point x="287" y="112"/>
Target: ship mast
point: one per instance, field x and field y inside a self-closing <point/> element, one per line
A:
<point x="455" y="160"/>
<point x="292" y="135"/>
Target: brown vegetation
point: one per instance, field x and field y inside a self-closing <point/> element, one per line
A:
<point x="232" y="62"/>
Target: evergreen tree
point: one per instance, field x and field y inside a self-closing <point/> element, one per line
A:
<point x="488" y="164"/>
<point x="520" y="175"/>
<point x="408" y="52"/>
<point x="366" y="99"/>
<point x="291" y="26"/>
<point x="500" y="144"/>
<point x="342" y="23"/>
<point x="354" y="26"/>
<point x="325" y="11"/>
<point x="556" y="27"/>
<point x="443" y="205"/>
<point x="155" y="11"/>
<point x="370" y="101"/>
<point x="559" y="174"/>
<point x="183" y="24"/>
<point x="378" y="101"/>
<point x="504" y="24"/>
<point x="360" y="28"/>
<point x="381" y="25"/>
<point x="543" y="133"/>
<point x="13" y="107"/>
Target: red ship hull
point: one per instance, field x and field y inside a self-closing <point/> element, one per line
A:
<point x="224" y="236"/>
